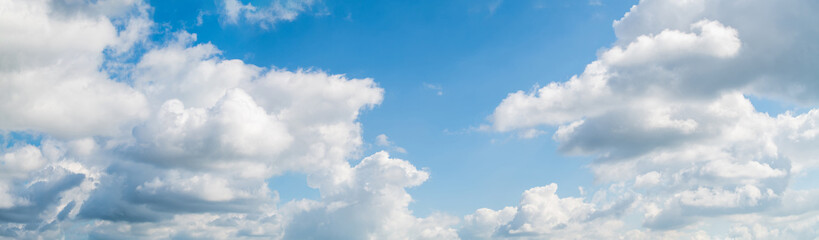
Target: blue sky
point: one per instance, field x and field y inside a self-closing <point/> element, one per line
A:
<point x="475" y="55"/>
<point x="487" y="119"/>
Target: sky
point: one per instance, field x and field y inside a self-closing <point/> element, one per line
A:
<point x="485" y="119"/>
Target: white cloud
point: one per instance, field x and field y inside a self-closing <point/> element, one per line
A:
<point x="383" y="141"/>
<point x="50" y="60"/>
<point x="703" y="197"/>
<point x="619" y="71"/>
<point x="771" y="64"/>
<point x="666" y="108"/>
<point x="435" y="87"/>
<point x="185" y="150"/>
<point x="279" y="10"/>
<point x="708" y="38"/>
<point x="543" y="214"/>
<point x="484" y="223"/>
<point x="367" y="200"/>
<point x="183" y="147"/>
<point x="647" y="180"/>
<point x="234" y="128"/>
<point x="205" y="187"/>
<point x="17" y="164"/>
<point x="41" y="187"/>
<point x="542" y="211"/>
<point x="219" y="128"/>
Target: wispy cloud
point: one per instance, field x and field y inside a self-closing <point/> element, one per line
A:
<point x="435" y="87"/>
<point x="383" y="141"/>
<point x="595" y="3"/>
<point x="493" y="6"/>
<point x="234" y="11"/>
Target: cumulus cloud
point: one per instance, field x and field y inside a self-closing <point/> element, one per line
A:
<point x="41" y="186"/>
<point x="198" y="137"/>
<point x="50" y="68"/>
<point x="244" y="124"/>
<point x="18" y="164"/>
<point x="181" y="143"/>
<point x="369" y="200"/>
<point x="541" y="213"/>
<point x="183" y="147"/>
<point x="666" y="109"/>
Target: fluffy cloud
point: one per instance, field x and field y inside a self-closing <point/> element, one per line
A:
<point x="234" y="128"/>
<point x="52" y="52"/>
<point x="367" y="200"/>
<point x="772" y="62"/>
<point x="484" y="223"/>
<point x="41" y="187"/>
<point x="620" y="75"/>
<point x="666" y="109"/>
<point x="18" y="164"/>
<point x="244" y="124"/>
<point x="181" y="143"/>
<point x="183" y="146"/>
<point x="543" y="214"/>
<point x="542" y="211"/>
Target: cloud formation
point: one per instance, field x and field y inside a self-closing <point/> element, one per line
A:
<point x="61" y="45"/>
<point x="541" y="213"/>
<point x="666" y="109"/>
<point x="182" y="142"/>
<point x="184" y="146"/>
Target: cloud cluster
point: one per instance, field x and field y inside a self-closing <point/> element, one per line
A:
<point x="666" y="109"/>
<point x="184" y="144"/>
<point x="541" y="213"/>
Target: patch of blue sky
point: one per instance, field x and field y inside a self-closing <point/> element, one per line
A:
<point x="292" y="186"/>
<point x="804" y="180"/>
<point x="775" y="107"/>
<point x="477" y="52"/>
<point x="11" y="139"/>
